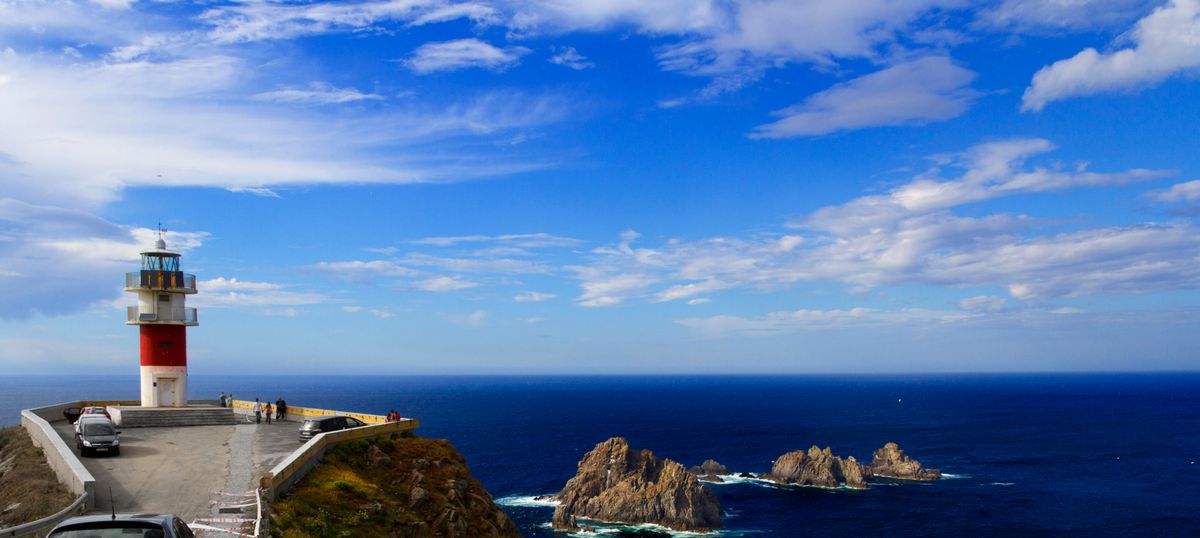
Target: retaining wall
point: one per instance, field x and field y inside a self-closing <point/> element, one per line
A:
<point x="67" y="467"/>
<point x="299" y="463"/>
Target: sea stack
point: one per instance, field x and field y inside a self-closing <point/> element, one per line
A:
<point x="817" y="468"/>
<point x="709" y="471"/>
<point x="619" y="485"/>
<point x="891" y="462"/>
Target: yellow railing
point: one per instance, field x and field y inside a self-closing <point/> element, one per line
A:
<point x="298" y="412"/>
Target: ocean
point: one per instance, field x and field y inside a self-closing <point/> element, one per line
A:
<point x="1045" y="454"/>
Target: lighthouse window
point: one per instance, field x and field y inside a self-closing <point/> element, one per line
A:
<point x="162" y="297"/>
<point x="166" y="344"/>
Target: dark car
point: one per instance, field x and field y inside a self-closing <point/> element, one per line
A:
<point x="314" y="426"/>
<point x="97" y="437"/>
<point x="123" y="526"/>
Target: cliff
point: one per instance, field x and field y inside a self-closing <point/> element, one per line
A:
<point x="620" y="485"/>
<point x="817" y="468"/>
<point x="30" y="489"/>
<point x="891" y="462"/>
<point x="398" y="486"/>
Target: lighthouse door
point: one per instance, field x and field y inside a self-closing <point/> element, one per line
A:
<point x="166" y="392"/>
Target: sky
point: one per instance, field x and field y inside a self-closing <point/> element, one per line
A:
<point x="606" y="186"/>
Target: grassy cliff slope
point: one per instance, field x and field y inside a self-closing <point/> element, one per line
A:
<point x="397" y="486"/>
<point x="29" y="490"/>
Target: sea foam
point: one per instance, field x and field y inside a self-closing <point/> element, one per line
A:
<point x="527" y="501"/>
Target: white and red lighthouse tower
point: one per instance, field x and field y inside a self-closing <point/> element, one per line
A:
<point x="162" y="316"/>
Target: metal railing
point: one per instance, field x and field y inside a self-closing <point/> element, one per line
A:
<point x="160" y="280"/>
<point x="133" y="315"/>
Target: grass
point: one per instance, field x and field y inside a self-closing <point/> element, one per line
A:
<point x="31" y="490"/>
<point x="356" y="492"/>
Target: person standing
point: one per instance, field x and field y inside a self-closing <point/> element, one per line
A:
<point x="267" y="411"/>
<point x="257" y="411"/>
<point x="278" y="408"/>
<point x="221" y="399"/>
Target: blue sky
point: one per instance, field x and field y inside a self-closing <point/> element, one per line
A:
<point x="607" y="186"/>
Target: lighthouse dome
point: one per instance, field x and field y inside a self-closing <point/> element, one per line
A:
<point x="160" y="244"/>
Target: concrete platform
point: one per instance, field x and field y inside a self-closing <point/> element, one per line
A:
<point x="178" y="470"/>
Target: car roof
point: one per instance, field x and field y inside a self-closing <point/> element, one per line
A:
<point x="327" y="417"/>
<point x="92" y="418"/>
<point x="161" y="519"/>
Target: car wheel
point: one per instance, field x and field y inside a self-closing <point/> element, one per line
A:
<point x="84" y="452"/>
<point x="116" y="451"/>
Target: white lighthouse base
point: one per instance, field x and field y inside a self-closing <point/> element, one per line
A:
<point x="164" y="386"/>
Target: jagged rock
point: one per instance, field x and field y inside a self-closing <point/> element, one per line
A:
<point x="617" y="484"/>
<point x="711" y="478"/>
<point x="817" y="468"/>
<point x="377" y="457"/>
<point x="746" y="475"/>
<point x="891" y="462"/>
<point x="709" y="467"/>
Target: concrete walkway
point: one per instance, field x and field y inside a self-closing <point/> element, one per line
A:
<point x="177" y="470"/>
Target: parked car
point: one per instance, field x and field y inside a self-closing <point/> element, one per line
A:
<point x="90" y="418"/>
<point x="95" y="410"/>
<point x="123" y="526"/>
<point x="332" y="423"/>
<point x="72" y="414"/>
<point x="97" y="437"/>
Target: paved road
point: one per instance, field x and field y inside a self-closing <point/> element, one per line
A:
<point x="177" y="470"/>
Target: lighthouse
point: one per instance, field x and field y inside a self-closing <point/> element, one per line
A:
<point x="162" y="317"/>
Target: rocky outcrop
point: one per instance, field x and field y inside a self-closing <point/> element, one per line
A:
<point x="891" y="462"/>
<point x="709" y="471"/>
<point x="617" y="484"/>
<point x="817" y="468"/>
<point x="402" y="486"/>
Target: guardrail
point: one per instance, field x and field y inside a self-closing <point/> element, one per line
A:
<point x="164" y="280"/>
<point x="298" y="413"/>
<point x="46" y="523"/>
<point x="299" y="463"/>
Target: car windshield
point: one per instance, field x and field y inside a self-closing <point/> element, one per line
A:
<point x="98" y="428"/>
<point x="115" y="530"/>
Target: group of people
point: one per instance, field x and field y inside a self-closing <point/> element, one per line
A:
<point x="261" y="409"/>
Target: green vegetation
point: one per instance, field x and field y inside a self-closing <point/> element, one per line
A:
<point x="31" y="491"/>
<point x="400" y="485"/>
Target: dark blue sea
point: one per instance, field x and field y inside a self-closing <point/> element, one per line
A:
<point x="1083" y="455"/>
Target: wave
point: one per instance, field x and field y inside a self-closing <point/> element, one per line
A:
<point x="1002" y="483"/>
<point x="527" y="501"/>
<point x="764" y="483"/>
<point x="949" y="476"/>
<point x="642" y="529"/>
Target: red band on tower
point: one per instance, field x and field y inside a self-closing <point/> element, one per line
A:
<point x="164" y="345"/>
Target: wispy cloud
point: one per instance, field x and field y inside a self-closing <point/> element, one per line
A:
<point x="317" y="93"/>
<point x="463" y="54"/>
<point x="1164" y="44"/>
<point x="569" y="57"/>
<point x="443" y="284"/>
<point x="915" y="92"/>
<point x="533" y="297"/>
<point x="530" y="240"/>
<point x="910" y="236"/>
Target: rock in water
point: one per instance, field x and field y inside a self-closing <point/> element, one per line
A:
<point x="891" y="462"/>
<point x="620" y="485"/>
<point x="709" y="471"/>
<point x="817" y="468"/>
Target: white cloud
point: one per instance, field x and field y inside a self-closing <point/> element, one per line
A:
<point x="911" y="236"/>
<point x="1165" y="43"/>
<point x="381" y="313"/>
<point x="443" y="284"/>
<point x="474" y="319"/>
<point x="813" y="320"/>
<point x="534" y="320"/>
<point x="352" y="309"/>
<point x="220" y="284"/>
<point x="56" y="260"/>
<point x="318" y="93"/>
<point x="1180" y="192"/>
<point x="533" y="297"/>
<point x="282" y="312"/>
<point x="364" y="271"/>
<point x="698" y="301"/>
<point x="1057" y="15"/>
<point x="77" y="133"/>
<point x="258" y="21"/>
<point x="569" y="57"/>
<point x="915" y="92"/>
<point x="463" y="54"/>
<point x="531" y="240"/>
<point x="982" y="304"/>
